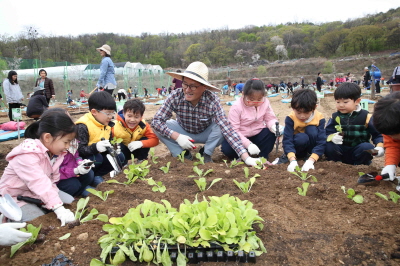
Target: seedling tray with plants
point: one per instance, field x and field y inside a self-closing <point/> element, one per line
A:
<point x="217" y="229"/>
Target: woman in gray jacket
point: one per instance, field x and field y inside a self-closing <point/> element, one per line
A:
<point x="13" y="92"/>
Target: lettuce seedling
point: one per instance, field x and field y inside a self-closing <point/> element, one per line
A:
<point x="165" y="169"/>
<point x="181" y="157"/>
<point x="81" y="209"/>
<point x="200" y="173"/>
<point x="260" y="164"/>
<point x="247" y="172"/>
<point x="136" y="171"/>
<point x="116" y="140"/>
<point x="303" y="191"/>
<point x="31" y="229"/>
<point x="234" y="163"/>
<point x="153" y="157"/>
<point x="101" y="195"/>
<point x="245" y="187"/>
<point x="200" y="158"/>
<point x="157" y="186"/>
<point x="303" y="176"/>
<point x="338" y="127"/>
<point x="351" y="194"/>
<point x="202" y="183"/>
<point x="393" y="196"/>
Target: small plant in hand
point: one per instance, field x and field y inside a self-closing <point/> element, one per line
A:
<point x="157" y="186"/>
<point x="260" y="164"/>
<point x="234" y="163"/>
<point x="247" y="173"/>
<point x="202" y="183"/>
<point x="153" y="157"/>
<point x="338" y="128"/>
<point x="303" y="191"/>
<point x="392" y="195"/>
<point x="200" y="158"/>
<point x="116" y="141"/>
<point x="101" y="195"/>
<point x="200" y="173"/>
<point x="165" y="169"/>
<point x="31" y="229"/>
<point x="351" y="194"/>
<point x="245" y="187"/>
<point x="303" y="176"/>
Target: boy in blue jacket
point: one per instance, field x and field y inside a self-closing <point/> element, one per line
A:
<point x="352" y="146"/>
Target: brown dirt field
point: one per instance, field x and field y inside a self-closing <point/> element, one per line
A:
<point x="322" y="228"/>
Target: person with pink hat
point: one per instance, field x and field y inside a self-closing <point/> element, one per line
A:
<point x="107" y="73"/>
<point x="200" y="118"/>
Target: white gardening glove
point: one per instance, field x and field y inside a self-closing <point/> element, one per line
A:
<point x="273" y="129"/>
<point x="380" y="150"/>
<point x="391" y="170"/>
<point x="82" y="169"/>
<point x="292" y="166"/>
<point x="101" y="146"/>
<point x="9" y="235"/>
<point x="185" y="142"/>
<point x="64" y="215"/>
<point x="252" y="161"/>
<point x="309" y="164"/>
<point x="134" y="145"/>
<point x="337" y="139"/>
<point x="253" y="149"/>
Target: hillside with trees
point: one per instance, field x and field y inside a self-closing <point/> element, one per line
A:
<point x="216" y="48"/>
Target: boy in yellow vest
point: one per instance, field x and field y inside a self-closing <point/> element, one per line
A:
<point x="137" y="135"/>
<point x="92" y="128"/>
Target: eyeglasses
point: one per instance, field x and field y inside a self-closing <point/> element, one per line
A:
<point x="107" y="114"/>
<point x="255" y="102"/>
<point x="191" y="87"/>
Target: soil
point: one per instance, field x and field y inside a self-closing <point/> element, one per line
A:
<point x="322" y="228"/>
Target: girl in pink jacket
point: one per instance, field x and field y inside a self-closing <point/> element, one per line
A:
<point x="33" y="165"/>
<point x="254" y="120"/>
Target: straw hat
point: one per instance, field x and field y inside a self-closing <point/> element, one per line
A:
<point x="197" y="71"/>
<point x="106" y="48"/>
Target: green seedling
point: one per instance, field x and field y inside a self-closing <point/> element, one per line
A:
<point x="201" y="173"/>
<point x="157" y="186"/>
<point x="165" y="169"/>
<point x="181" y="157"/>
<point x="351" y="194"/>
<point x="66" y="236"/>
<point x="202" y="183"/>
<point x="338" y="127"/>
<point x="245" y="187"/>
<point x="234" y="163"/>
<point x="247" y="173"/>
<point x="393" y="196"/>
<point x="303" y="176"/>
<point x="101" y="195"/>
<point x="116" y="140"/>
<point x="303" y="191"/>
<point x="153" y="157"/>
<point x="136" y="171"/>
<point x="81" y="209"/>
<point x="31" y="229"/>
<point x="260" y="164"/>
<point x="200" y="158"/>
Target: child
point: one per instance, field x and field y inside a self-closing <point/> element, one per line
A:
<point x="33" y="166"/>
<point x="92" y="128"/>
<point x="37" y="104"/>
<point x="137" y="135"/>
<point x="386" y="121"/>
<point x="356" y="124"/>
<point x="304" y="135"/>
<point x="253" y="120"/>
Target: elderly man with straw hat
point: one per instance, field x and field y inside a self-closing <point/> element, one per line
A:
<point x="199" y="118"/>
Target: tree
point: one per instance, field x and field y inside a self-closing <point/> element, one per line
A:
<point x="281" y="51"/>
<point x="362" y="37"/>
<point x="331" y="41"/>
<point x="193" y="53"/>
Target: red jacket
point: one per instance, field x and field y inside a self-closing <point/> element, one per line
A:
<point x="392" y="152"/>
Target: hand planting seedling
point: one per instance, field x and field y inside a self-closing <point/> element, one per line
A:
<point x="165" y="169"/>
<point x="338" y="129"/>
<point x="393" y="196"/>
<point x="31" y="229"/>
<point x="247" y="172"/>
<point x="303" y="191"/>
<point x="200" y="173"/>
<point x="101" y="195"/>
<point x="245" y="186"/>
<point x="202" y="183"/>
<point x="260" y="164"/>
<point x="116" y="141"/>
<point x="157" y="186"/>
<point x="303" y="176"/>
<point x="351" y="194"/>
<point x="153" y="157"/>
<point x="200" y="158"/>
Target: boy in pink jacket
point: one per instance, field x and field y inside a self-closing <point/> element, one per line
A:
<point x="254" y="120"/>
<point x="33" y="168"/>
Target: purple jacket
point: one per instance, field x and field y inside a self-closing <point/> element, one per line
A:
<point x="249" y="121"/>
<point x="67" y="167"/>
<point x="29" y="173"/>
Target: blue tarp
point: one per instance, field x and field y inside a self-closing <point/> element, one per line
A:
<point x="7" y="135"/>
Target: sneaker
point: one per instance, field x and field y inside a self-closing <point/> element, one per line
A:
<point x="188" y="155"/>
<point x="281" y="160"/>
<point x="207" y="158"/>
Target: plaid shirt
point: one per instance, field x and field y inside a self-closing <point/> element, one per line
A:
<point x="195" y="119"/>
